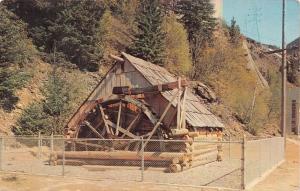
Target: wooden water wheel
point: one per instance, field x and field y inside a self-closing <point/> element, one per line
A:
<point x="126" y="118"/>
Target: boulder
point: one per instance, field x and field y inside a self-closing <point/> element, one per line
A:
<point x="203" y="91"/>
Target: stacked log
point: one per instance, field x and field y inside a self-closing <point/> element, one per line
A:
<point x="177" y="155"/>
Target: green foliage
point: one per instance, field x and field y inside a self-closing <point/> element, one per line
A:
<point x="223" y="67"/>
<point x="48" y="115"/>
<point x="149" y="42"/>
<point x="125" y="10"/>
<point x="32" y="121"/>
<point x="10" y="81"/>
<point x="274" y="81"/>
<point x="178" y="59"/>
<point x="198" y="18"/>
<point x="15" y="47"/>
<point x="234" y="32"/>
<point x="57" y="95"/>
<point x="72" y="27"/>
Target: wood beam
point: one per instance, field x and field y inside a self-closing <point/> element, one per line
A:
<point x="179" y="104"/>
<point x="117" y="58"/>
<point x="119" y="118"/>
<point x="125" y="90"/>
<point x="133" y="124"/>
<point x="93" y="129"/>
<point x="124" y="131"/>
<point x="160" y="120"/>
<point x="105" y="121"/>
<point x="143" y="107"/>
<point x="183" y="110"/>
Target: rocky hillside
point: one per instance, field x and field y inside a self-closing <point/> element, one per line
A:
<point x="63" y="49"/>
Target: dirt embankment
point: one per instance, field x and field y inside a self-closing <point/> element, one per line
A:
<point x="26" y="95"/>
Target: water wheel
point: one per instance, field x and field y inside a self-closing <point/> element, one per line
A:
<point x="124" y="120"/>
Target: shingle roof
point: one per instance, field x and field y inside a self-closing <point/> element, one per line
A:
<point x="196" y="113"/>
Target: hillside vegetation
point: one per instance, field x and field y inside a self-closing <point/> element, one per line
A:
<point x="58" y="50"/>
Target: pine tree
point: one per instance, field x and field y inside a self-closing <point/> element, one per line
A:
<point x="32" y="121"/>
<point x="15" y="46"/>
<point x="234" y="32"/>
<point x="76" y="32"/>
<point x="72" y="26"/>
<point x="198" y="18"/>
<point x="10" y="81"/>
<point x="57" y="92"/>
<point x="178" y="60"/>
<point x="150" y="38"/>
<point x="50" y="114"/>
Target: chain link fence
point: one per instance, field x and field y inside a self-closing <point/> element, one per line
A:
<point x="205" y="163"/>
<point x="262" y="156"/>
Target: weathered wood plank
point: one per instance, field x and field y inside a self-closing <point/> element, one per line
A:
<point x="122" y="130"/>
<point x="125" y="90"/>
<point x="93" y="129"/>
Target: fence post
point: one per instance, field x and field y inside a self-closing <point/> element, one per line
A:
<point x="63" y="158"/>
<point x="243" y="163"/>
<point x="1" y="153"/>
<point x="229" y="146"/>
<point x="270" y="148"/>
<point x="143" y="161"/>
<point x="260" y="158"/>
<point x="39" y="146"/>
<point x="51" y="143"/>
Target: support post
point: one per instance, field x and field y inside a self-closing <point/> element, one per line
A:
<point x="39" y="145"/>
<point x="63" y="158"/>
<point x="284" y="77"/>
<point x="143" y="160"/>
<point x="1" y="153"/>
<point x="119" y="118"/>
<point x="179" y="104"/>
<point x="160" y="119"/>
<point x="183" y="110"/>
<point x="51" y="143"/>
<point x="243" y="163"/>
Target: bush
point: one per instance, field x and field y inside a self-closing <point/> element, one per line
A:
<point x="10" y="82"/>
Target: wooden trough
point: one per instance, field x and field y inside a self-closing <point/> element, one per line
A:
<point x="135" y="101"/>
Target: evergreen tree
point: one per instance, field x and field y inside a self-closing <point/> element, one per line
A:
<point x="57" y="99"/>
<point x="10" y="81"/>
<point x="198" y="17"/>
<point x="234" y="32"/>
<point x="150" y="38"/>
<point x="49" y="115"/>
<point x="178" y="59"/>
<point x="76" y="32"/>
<point x="72" y="26"/>
<point x="32" y="121"/>
<point x="15" y="46"/>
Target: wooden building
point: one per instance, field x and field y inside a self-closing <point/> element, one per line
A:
<point x="293" y="110"/>
<point x="139" y="100"/>
<point x="136" y="73"/>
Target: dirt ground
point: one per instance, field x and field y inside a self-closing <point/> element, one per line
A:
<point x="11" y="182"/>
<point x="285" y="178"/>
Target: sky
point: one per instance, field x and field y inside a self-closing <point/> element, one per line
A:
<point x="261" y="19"/>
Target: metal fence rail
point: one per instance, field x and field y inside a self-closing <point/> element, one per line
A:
<point x="203" y="163"/>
